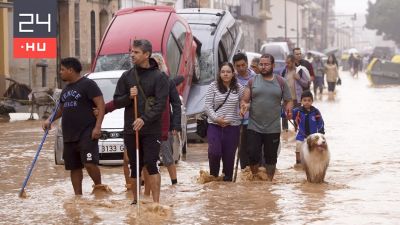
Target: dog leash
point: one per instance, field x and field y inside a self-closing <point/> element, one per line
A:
<point x="302" y="133"/>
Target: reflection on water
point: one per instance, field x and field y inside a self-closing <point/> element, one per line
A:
<point x="363" y="132"/>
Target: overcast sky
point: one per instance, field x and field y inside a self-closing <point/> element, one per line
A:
<point x="351" y="6"/>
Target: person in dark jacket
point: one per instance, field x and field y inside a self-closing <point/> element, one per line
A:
<point x="299" y="61"/>
<point x="150" y="86"/>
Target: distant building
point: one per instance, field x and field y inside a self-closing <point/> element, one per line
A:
<point x="306" y="23"/>
<point x="81" y="27"/>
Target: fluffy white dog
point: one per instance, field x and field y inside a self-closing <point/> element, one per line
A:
<point x="315" y="157"/>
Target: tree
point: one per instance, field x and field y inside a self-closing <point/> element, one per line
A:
<point x="383" y="16"/>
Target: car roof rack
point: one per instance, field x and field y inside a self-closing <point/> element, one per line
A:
<point x="215" y="25"/>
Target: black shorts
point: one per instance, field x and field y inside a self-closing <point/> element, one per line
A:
<point x="256" y="142"/>
<point x="149" y="151"/>
<point x="77" y="153"/>
<point x="331" y="86"/>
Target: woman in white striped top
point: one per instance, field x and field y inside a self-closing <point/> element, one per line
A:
<point x="224" y="120"/>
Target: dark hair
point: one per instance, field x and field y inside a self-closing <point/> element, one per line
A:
<point x="297" y="48"/>
<point x="291" y="58"/>
<point x="239" y="56"/>
<point x="72" y="63"/>
<point x="256" y="60"/>
<point x="220" y="84"/>
<point x="268" y="56"/>
<point x="306" y="94"/>
<point x="144" y="45"/>
<point x="333" y="59"/>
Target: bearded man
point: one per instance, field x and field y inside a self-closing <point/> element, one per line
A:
<point x="262" y="97"/>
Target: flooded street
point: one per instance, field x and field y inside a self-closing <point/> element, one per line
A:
<point x="362" y="129"/>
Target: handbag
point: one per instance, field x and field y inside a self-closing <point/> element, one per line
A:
<point x="202" y="123"/>
<point x="339" y="81"/>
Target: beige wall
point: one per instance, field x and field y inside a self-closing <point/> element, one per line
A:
<point x="67" y="31"/>
<point x="4" y="60"/>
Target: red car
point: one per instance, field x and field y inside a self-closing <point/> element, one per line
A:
<point x="169" y="34"/>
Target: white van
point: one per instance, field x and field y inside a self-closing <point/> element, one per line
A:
<point x="280" y="50"/>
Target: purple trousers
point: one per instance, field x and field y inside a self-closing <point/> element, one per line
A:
<point x="222" y="144"/>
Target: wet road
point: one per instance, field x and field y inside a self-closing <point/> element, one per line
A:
<point x="363" y="130"/>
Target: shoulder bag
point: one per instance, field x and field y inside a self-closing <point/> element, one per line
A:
<point x="202" y="123"/>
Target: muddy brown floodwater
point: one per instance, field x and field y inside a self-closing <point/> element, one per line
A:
<point x="363" y="185"/>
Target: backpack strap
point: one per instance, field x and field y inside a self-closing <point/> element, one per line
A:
<point x="250" y="84"/>
<point x="283" y="74"/>
<point x="137" y="79"/>
<point x="280" y="81"/>
<point x="298" y="118"/>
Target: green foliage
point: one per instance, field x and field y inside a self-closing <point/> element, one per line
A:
<point x="384" y="16"/>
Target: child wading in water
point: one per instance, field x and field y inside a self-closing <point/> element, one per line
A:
<point x="309" y="120"/>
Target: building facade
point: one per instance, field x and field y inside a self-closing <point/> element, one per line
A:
<point x="252" y="15"/>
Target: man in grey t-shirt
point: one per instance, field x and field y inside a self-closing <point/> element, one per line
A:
<point x="263" y="96"/>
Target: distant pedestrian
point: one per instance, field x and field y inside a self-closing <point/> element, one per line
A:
<point x="263" y="96"/>
<point x="309" y="57"/>
<point x="356" y="65"/>
<point x="319" y="69"/>
<point x="222" y="108"/>
<point x="81" y="129"/>
<point x="332" y="75"/>
<point x="300" y="61"/>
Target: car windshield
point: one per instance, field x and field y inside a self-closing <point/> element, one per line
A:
<point x="113" y="62"/>
<point x="107" y="87"/>
<point x="207" y="69"/>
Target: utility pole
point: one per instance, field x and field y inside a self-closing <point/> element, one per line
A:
<point x="297" y="23"/>
<point x="285" y="22"/>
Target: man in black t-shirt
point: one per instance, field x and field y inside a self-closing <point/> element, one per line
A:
<point x="81" y="129"/>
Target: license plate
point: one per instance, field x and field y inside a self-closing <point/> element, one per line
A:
<point x="111" y="148"/>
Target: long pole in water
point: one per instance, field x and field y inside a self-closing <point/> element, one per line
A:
<point x="22" y="191"/>
<point x="137" y="156"/>
<point x="237" y="152"/>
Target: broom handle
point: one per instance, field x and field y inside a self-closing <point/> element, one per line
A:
<point x="38" y="151"/>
